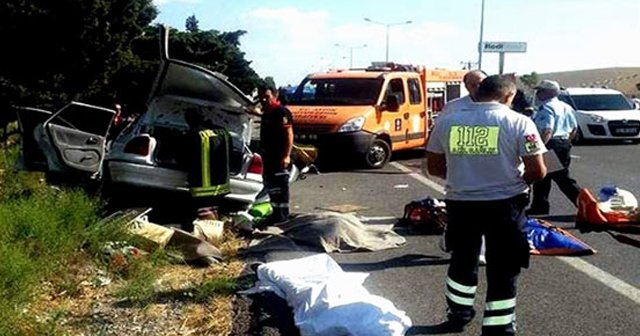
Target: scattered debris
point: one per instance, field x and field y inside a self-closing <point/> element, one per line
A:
<point x="401" y="186"/>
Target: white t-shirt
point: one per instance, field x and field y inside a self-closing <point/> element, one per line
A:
<point x="483" y="146"/>
<point x="456" y="105"/>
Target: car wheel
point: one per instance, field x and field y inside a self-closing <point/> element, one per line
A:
<point x="378" y="154"/>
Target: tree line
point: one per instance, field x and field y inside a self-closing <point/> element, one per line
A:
<point x="101" y="52"/>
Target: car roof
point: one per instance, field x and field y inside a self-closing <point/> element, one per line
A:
<point x="590" y="91"/>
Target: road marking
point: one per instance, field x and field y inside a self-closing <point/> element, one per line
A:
<point x="574" y="156"/>
<point x="629" y="291"/>
<point x="419" y="177"/>
<point x="607" y="279"/>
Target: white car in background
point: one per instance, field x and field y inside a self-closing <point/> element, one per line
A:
<point x="603" y="114"/>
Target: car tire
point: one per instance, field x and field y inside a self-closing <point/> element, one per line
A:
<point x="378" y="154"/>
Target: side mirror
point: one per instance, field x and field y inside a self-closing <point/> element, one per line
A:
<point x="391" y="104"/>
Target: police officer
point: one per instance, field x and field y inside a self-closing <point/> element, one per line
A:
<point x="481" y="152"/>
<point x="276" y="139"/>
<point x="557" y="125"/>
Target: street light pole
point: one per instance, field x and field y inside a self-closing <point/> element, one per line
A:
<point x="386" y="54"/>
<point x="481" y="37"/>
<point x="350" y="51"/>
<point x="387" y="26"/>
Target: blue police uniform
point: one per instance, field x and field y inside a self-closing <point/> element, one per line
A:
<point x="558" y="117"/>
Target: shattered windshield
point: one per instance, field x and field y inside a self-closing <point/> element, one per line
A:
<point x="338" y="91"/>
<point x="612" y="102"/>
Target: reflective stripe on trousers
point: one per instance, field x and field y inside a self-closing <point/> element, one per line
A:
<point x="499" y="313"/>
<point x="460" y="294"/>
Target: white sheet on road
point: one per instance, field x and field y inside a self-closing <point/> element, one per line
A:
<point x="328" y="301"/>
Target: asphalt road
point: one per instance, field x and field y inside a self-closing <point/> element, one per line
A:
<point x="593" y="295"/>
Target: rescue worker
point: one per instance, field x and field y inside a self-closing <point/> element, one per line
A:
<point x="276" y="139"/>
<point x="471" y="80"/>
<point x="557" y="125"/>
<point x="488" y="155"/>
<point x="207" y="163"/>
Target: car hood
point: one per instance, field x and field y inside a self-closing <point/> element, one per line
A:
<point x="613" y="114"/>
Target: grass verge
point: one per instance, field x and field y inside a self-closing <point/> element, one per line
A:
<point x="56" y="280"/>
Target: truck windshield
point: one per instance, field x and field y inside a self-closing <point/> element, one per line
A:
<point x="613" y="102"/>
<point x="337" y="91"/>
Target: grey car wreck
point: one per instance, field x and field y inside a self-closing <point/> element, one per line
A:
<point x="148" y="152"/>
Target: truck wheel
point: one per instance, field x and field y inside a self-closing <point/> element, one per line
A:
<point x="378" y="154"/>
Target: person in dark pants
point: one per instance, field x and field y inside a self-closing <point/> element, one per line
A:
<point x="557" y="125"/>
<point x="479" y="150"/>
<point x="276" y="139"/>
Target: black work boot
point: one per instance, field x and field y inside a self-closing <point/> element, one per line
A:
<point x="458" y="320"/>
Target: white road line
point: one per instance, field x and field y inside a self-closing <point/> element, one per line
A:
<point x="607" y="279"/>
<point x="419" y="177"/>
<point x="574" y="156"/>
<point x="629" y="291"/>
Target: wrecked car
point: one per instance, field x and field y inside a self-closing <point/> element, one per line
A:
<point x="149" y="152"/>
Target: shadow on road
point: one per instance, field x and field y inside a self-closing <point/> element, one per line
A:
<point x="407" y="260"/>
<point x="437" y="329"/>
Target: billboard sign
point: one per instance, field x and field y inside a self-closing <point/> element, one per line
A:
<point x="507" y="47"/>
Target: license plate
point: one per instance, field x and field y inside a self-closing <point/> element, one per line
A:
<point x="627" y="130"/>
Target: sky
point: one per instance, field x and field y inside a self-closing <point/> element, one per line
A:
<point x="288" y="39"/>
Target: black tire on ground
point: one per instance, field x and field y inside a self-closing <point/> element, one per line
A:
<point x="378" y="154"/>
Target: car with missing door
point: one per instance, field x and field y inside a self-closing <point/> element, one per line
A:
<point x="149" y="152"/>
<point x="603" y="114"/>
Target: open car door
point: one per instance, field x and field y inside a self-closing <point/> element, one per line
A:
<point x="31" y="156"/>
<point x="73" y="140"/>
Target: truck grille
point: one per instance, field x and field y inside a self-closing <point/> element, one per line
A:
<point x="624" y="128"/>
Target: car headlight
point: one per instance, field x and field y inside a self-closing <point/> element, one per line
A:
<point x="352" y="125"/>
<point x="596" y="118"/>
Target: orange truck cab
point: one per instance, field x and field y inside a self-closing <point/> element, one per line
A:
<point x="370" y="113"/>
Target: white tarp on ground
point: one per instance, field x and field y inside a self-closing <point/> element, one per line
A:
<point x="328" y="301"/>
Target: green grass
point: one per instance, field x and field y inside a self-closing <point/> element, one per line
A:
<point x="211" y="287"/>
<point x="41" y="229"/>
<point x="47" y="232"/>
